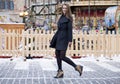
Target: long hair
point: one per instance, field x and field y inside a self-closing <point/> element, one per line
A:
<point x="68" y="13"/>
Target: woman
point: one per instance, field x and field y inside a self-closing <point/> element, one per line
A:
<point x="63" y="38"/>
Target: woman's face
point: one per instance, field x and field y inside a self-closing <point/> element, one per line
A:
<point x="64" y="9"/>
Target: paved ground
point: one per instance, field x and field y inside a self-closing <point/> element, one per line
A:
<point x="42" y="71"/>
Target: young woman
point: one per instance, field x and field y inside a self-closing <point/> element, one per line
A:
<point x="62" y="39"/>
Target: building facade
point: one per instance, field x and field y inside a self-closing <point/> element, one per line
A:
<point x="83" y="10"/>
<point x="92" y="11"/>
<point x="10" y="9"/>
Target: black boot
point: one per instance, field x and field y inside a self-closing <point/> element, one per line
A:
<point x="79" y="69"/>
<point x="60" y="74"/>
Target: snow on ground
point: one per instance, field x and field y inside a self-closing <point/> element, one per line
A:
<point x="49" y="64"/>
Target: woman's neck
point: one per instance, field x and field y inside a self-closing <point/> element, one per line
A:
<point x="64" y="14"/>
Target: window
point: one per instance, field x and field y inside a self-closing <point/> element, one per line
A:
<point x="7" y="4"/>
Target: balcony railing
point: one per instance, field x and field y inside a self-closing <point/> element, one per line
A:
<point x="94" y="2"/>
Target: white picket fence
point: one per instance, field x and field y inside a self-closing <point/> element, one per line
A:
<point x="36" y="43"/>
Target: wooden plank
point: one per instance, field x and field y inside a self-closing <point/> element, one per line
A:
<point x="1" y="41"/>
<point x="96" y="44"/>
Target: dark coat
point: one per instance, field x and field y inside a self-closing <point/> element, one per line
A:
<point x="63" y="35"/>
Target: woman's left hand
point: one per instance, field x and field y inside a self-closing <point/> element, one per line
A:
<point x="70" y="43"/>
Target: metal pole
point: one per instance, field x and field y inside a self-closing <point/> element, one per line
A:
<point x="89" y="14"/>
<point x="94" y="15"/>
<point x="117" y="2"/>
<point x="28" y="3"/>
<point x="23" y="19"/>
<point x="25" y="3"/>
<point x="48" y="10"/>
<point x="25" y="6"/>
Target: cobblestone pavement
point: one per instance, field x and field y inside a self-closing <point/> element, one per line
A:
<point x="42" y="71"/>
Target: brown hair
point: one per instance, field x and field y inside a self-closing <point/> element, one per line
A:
<point x="69" y="13"/>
